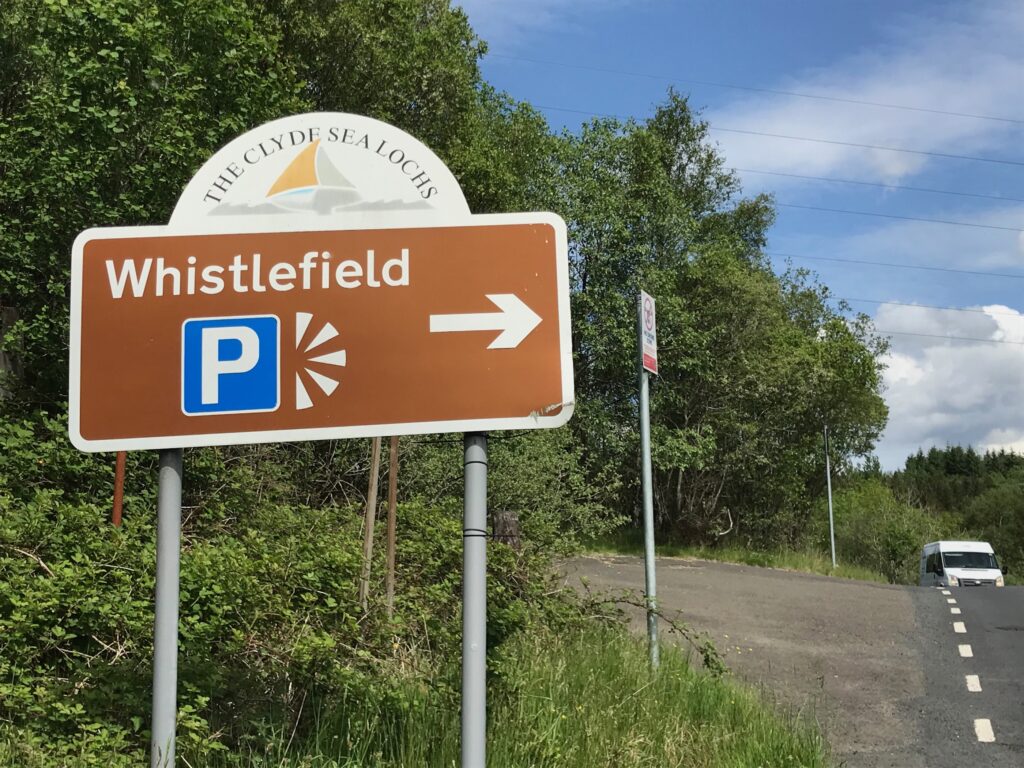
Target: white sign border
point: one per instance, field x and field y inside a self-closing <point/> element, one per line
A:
<point x="383" y="221"/>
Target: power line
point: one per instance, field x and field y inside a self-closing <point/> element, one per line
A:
<point x="929" y="153"/>
<point x="775" y="91"/>
<point x="906" y="150"/>
<point x="777" y="254"/>
<point x="878" y="332"/>
<point x="930" y="306"/>
<point x="899" y="187"/>
<point x="902" y="218"/>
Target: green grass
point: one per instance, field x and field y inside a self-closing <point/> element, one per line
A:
<point x="806" y="560"/>
<point x="586" y="700"/>
<point x="590" y="700"/>
<point x="581" y="699"/>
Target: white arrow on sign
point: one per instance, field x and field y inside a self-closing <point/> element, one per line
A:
<point x="515" y="321"/>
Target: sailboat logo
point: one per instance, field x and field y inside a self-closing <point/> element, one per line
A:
<point x="311" y="182"/>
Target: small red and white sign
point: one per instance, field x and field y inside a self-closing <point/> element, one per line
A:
<point x="648" y="334"/>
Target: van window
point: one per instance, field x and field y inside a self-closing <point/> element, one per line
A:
<point x="969" y="560"/>
<point x="930" y="564"/>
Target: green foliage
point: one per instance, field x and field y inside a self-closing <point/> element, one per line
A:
<point x="753" y="364"/>
<point x="949" y="478"/>
<point x="877" y="531"/>
<point x="271" y="635"/>
<point x="411" y="63"/>
<point x="541" y="476"/>
<point x="269" y="619"/>
<point x="997" y="516"/>
<point x="35" y="455"/>
<point x="107" y="107"/>
<point x="981" y="495"/>
<point x="589" y="699"/>
<point x="112" y="108"/>
<point x="813" y="559"/>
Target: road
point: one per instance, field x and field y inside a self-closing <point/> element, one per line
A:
<point x="973" y="654"/>
<point x="878" y="666"/>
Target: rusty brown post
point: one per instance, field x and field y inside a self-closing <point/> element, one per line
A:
<point x="370" y="519"/>
<point x="118" y="488"/>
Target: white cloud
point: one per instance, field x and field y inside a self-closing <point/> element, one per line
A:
<point x="942" y="391"/>
<point x="969" y="60"/>
<point x="1004" y="440"/>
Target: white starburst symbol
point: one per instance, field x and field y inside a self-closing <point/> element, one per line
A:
<point x="337" y="359"/>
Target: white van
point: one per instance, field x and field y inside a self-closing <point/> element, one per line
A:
<point x="960" y="564"/>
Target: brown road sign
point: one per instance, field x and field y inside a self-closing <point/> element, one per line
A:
<point x="181" y="339"/>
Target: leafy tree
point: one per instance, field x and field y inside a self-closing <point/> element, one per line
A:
<point x="950" y="478"/>
<point x="411" y="63"/>
<point x="997" y="515"/>
<point x="879" y="532"/>
<point x="106" y="110"/>
<point x="753" y="364"/>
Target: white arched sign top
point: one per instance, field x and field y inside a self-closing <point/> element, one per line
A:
<point x="334" y="167"/>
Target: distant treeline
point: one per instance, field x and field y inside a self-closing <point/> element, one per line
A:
<point x="981" y="493"/>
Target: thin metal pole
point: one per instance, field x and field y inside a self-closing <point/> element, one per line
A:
<point x="651" y="589"/>
<point x="115" y="517"/>
<point x="165" y="627"/>
<point x="831" y="519"/>
<point x="474" y="603"/>
<point x="389" y="578"/>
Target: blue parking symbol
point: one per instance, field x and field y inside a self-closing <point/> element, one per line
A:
<point x="230" y="364"/>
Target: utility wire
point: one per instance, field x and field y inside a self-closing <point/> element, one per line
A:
<point x="879" y="332"/>
<point x="929" y="153"/>
<point x="777" y="254"/>
<point x="902" y="218"/>
<point x="880" y="185"/>
<point x="906" y="150"/>
<point x="929" y="306"/>
<point x="775" y="91"/>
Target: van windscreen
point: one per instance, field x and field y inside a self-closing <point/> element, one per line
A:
<point x="969" y="560"/>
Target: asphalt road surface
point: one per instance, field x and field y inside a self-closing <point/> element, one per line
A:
<point x="879" y="667"/>
<point x="973" y="654"/>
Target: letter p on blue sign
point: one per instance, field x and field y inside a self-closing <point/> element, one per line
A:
<point x="230" y="364"/>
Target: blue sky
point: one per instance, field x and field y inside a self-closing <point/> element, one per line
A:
<point x="962" y="57"/>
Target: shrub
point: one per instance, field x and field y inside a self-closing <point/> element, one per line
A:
<point x="270" y="624"/>
<point x="877" y="531"/>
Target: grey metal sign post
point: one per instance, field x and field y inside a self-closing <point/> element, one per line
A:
<point x="651" y="588"/>
<point x="474" y="603"/>
<point x="165" y="626"/>
<point x="831" y="519"/>
<point x="648" y="362"/>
